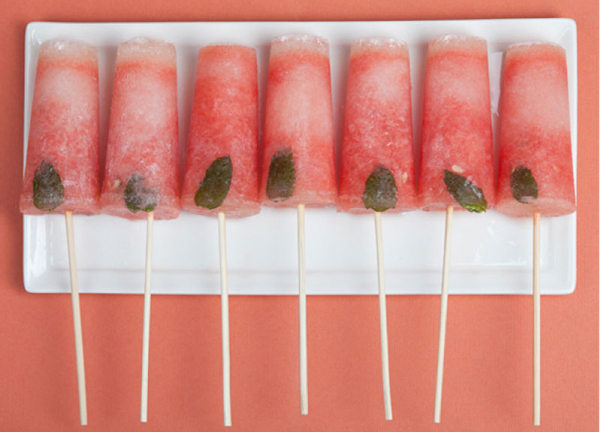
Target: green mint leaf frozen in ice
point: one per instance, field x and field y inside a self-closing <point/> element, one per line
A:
<point x="523" y="185"/>
<point x="467" y="194"/>
<point x="282" y="176"/>
<point x="381" y="192"/>
<point x="138" y="196"/>
<point x="48" y="189"/>
<point x="216" y="183"/>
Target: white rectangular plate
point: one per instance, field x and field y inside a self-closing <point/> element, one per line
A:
<point x="491" y="253"/>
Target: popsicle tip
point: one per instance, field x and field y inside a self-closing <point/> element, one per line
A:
<point x="301" y="38"/>
<point x="227" y="45"/>
<point x="448" y="38"/>
<point x="142" y="47"/>
<point x="65" y="47"/>
<point x="458" y="43"/>
<point x="533" y="43"/>
<point x="536" y="47"/>
<point x="380" y="41"/>
<point x="379" y="44"/>
<point x="299" y="41"/>
<point x="143" y="40"/>
<point x="65" y="43"/>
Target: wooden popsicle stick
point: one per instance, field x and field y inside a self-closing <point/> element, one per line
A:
<point x="443" y="314"/>
<point x="536" y="320"/>
<point x="146" y="334"/>
<point x="385" y="359"/>
<point x="76" y="318"/>
<point x="302" y="312"/>
<point x="225" y="321"/>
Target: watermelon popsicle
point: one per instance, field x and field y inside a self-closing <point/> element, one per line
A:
<point x="298" y="154"/>
<point x="141" y="173"/>
<point x="377" y="141"/>
<point x="221" y="175"/>
<point x="457" y="162"/>
<point x="377" y="169"/>
<point x="221" y="172"/>
<point x="141" y="178"/>
<point x="535" y="168"/>
<point x="457" y="168"/>
<point x="535" y="172"/>
<point x="62" y="170"/>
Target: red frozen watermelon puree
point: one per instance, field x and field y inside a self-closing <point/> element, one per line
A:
<point x="378" y="123"/>
<point x="63" y="132"/>
<point x="224" y="123"/>
<point x="142" y="150"/>
<point x="299" y="119"/>
<point x="457" y="128"/>
<point x="535" y="132"/>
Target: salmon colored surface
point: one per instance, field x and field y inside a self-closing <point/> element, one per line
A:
<point x="488" y="374"/>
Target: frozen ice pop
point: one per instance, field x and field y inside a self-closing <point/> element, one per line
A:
<point x="298" y="154"/>
<point x="377" y="169"/>
<point x="62" y="170"/>
<point x="535" y="167"/>
<point x="141" y="173"/>
<point x="221" y="176"/>
<point x="457" y="166"/>
<point x="221" y="172"/>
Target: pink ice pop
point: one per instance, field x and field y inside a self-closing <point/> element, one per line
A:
<point x="221" y="172"/>
<point x="457" y="166"/>
<point x="536" y="168"/>
<point x="377" y="171"/>
<point x="298" y="154"/>
<point x="62" y="171"/>
<point x="141" y="172"/>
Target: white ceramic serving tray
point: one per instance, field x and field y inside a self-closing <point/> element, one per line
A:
<point x="491" y="253"/>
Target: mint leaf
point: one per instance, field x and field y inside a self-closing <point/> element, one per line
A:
<point x="138" y="196"/>
<point x="466" y="193"/>
<point x="381" y="192"/>
<point x="282" y="176"/>
<point x="523" y="185"/>
<point x="48" y="189"/>
<point x="216" y="183"/>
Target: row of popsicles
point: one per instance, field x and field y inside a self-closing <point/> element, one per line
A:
<point x="298" y="167"/>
